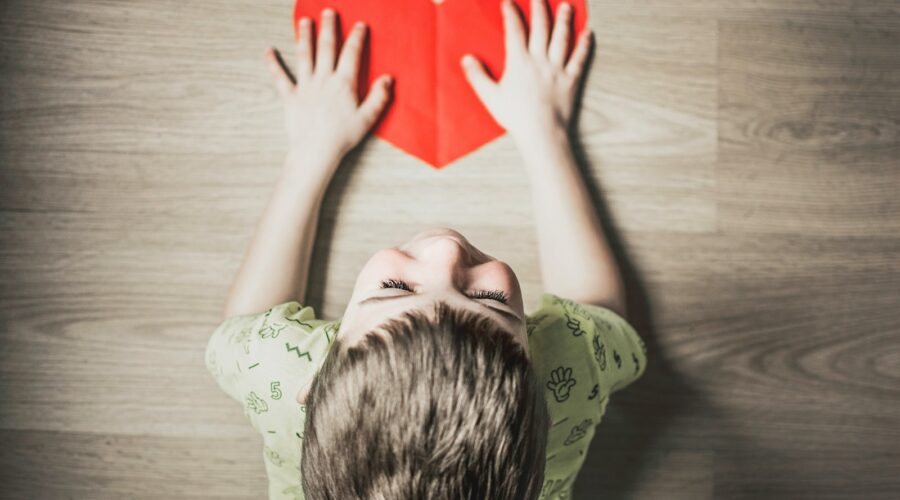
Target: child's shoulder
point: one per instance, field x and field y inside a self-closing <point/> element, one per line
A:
<point x="589" y="338"/>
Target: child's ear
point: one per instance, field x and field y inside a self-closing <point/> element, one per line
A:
<point x="302" y="394"/>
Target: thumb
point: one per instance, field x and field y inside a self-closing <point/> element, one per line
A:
<point x="374" y="103"/>
<point x="478" y="78"/>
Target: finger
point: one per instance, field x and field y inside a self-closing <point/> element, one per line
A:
<point x="512" y="28"/>
<point x="374" y="103"/>
<point x="478" y="78"/>
<point x="304" y="49"/>
<point x="325" y="43"/>
<point x="575" y="66"/>
<point x="283" y="83"/>
<point x="537" y="36"/>
<point x="559" y="41"/>
<point x="348" y="63"/>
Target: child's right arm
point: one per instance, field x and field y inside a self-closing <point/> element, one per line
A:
<point x="534" y="101"/>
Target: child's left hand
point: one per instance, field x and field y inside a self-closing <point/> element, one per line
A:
<point x="322" y="115"/>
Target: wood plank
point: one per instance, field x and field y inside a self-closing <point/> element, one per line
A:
<point x="94" y="465"/>
<point x="809" y="135"/>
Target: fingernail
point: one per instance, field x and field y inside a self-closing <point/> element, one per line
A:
<point x="389" y="80"/>
<point x="304" y="22"/>
<point x="564" y="7"/>
<point x="359" y="25"/>
<point x="327" y="12"/>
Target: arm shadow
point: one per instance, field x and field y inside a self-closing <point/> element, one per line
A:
<point x="637" y="416"/>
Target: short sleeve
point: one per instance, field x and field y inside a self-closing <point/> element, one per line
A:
<point x="263" y="359"/>
<point x="581" y="354"/>
<point x="618" y="354"/>
<point x="616" y="345"/>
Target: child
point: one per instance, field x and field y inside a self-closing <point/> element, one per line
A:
<point x="434" y="383"/>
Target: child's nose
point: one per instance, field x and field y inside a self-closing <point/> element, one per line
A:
<point x="449" y="253"/>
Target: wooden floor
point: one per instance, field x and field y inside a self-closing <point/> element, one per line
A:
<point x="748" y="156"/>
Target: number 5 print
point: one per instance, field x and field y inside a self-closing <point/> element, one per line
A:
<point x="275" y="388"/>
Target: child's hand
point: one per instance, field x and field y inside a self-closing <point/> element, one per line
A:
<point x="322" y="114"/>
<point x="537" y="90"/>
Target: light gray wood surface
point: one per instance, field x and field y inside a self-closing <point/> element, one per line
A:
<point x="745" y="152"/>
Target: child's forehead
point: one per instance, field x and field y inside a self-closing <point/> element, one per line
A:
<point x="381" y="320"/>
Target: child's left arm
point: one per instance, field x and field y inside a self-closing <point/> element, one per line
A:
<point x="324" y="120"/>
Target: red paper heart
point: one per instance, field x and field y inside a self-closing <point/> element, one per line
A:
<point x="434" y="113"/>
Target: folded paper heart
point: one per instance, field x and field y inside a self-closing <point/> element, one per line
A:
<point x="434" y="114"/>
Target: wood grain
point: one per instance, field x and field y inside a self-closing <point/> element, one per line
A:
<point x="744" y="153"/>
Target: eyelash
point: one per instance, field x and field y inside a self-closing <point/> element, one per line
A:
<point x="497" y="295"/>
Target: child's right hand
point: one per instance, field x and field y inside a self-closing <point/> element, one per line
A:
<point x="537" y="90"/>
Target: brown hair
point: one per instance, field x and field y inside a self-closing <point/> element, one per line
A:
<point x="438" y="408"/>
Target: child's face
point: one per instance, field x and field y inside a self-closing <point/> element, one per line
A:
<point x="438" y="265"/>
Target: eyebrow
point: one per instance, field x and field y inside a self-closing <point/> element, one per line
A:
<point x="372" y="300"/>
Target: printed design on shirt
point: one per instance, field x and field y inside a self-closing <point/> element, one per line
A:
<point x="643" y="346"/>
<point x="617" y="358"/>
<point x="570" y="305"/>
<point x="637" y="364"/>
<point x="561" y="381"/>
<point x="578" y="432"/>
<point x="242" y="337"/>
<point x="555" y="488"/>
<point x="273" y="456"/>
<point x="296" y="349"/>
<point x="271" y="331"/>
<point x="574" y="325"/>
<point x="256" y="403"/>
<point x="330" y="330"/>
<point x="602" y="323"/>
<point x="301" y="323"/>
<point x="275" y="390"/>
<point x="531" y="323"/>
<point x="599" y="352"/>
<point x="594" y="391"/>
<point x="563" y="420"/>
<point x="295" y="491"/>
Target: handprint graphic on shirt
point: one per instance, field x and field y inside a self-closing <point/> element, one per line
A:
<point x="271" y="331"/>
<point x="256" y="403"/>
<point x="560" y="382"/>
<point x="242" y="337"/>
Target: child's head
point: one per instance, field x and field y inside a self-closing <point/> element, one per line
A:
<point x="438" y="265"/>
<point x="434" y="398"/>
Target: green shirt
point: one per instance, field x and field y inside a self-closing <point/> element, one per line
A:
<point x="582" y="353"/>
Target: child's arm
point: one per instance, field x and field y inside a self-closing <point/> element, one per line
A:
<point x="324" y="120"/>
<point x="534" y="101"/>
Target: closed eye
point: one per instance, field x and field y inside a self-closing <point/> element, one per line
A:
<point x="498" y="295"/>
